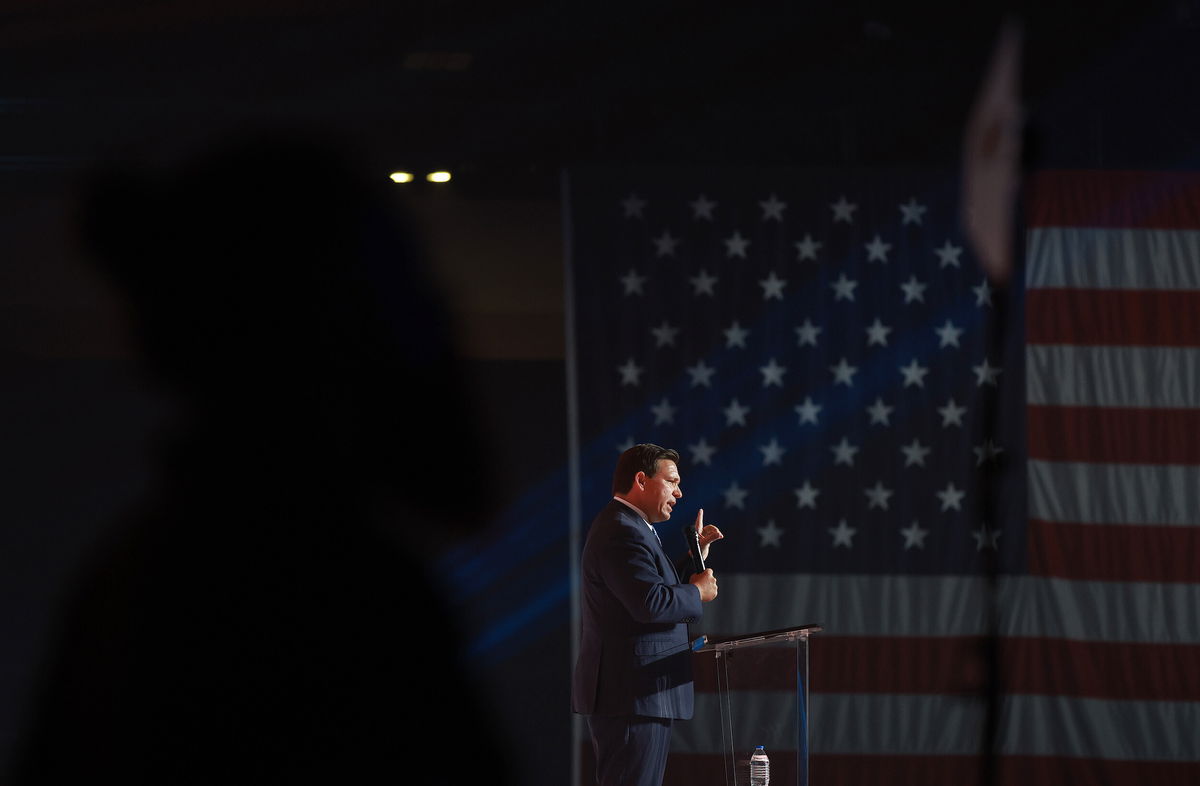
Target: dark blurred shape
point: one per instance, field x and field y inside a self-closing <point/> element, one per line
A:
<point x="268" y="616"/>
<point x="992" y="158"/>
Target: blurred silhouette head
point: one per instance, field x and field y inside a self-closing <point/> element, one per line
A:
<point x="276" y="289"/>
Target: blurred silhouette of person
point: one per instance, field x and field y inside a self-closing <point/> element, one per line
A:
<point x="265" y="616"/>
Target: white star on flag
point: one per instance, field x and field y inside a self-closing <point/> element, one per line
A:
<point x="986" y="538"/>
<point x="631" y="373"/>
<point x="877" y="250"/>
<point x="879" y="412"/>
<point x="807" y="334"/>
<point x="735" y="245"/>
<point x="843" y="210"/>
<point x="665" y="244"/>
<point x="877" y="333"/>
<point x="914" y="535"/>
<point x="702" y="207"/>
<point x="843" y="453"/>
<point x="736" y="413"/>
<point x="772" y="287"/>
<point x="701" y="374"/>
<point x="948" y="334"/>
<point x="913" y="290"/>
<point x="663" y="412"/>
<point x="703" y="283"/>
<point x="772" y="452"/>
<point x="914" y="374"/>
<point x="808" y="411"/>
<point x="769" y="535"/>
<point x="948" y="254"/>
<point x="987" y="451"/>
<point x="772" y="209"/>
<point x="914" y="453"/>
<point x="664" y="334"/>
<point x="951" y="497"/>
<point x="633" y="205"/>
<point x="632" y="282"/>
<point x="843" y="373"/>
<point x="912" y="212"/>
<point x="735" y="496"/>
<point x="806" y="496"/>
<point x="735" y="336"/>
<point x="951" y="414"/>
<point x="772" y="373"/>
<point x="842" y="534"/>
<point x="807" y="248"/>
<point x="985" y="374"/>
<point x="983" y="294"/>
<point x="843" y="288"/>
<point x="877" y="496"/>
<point x="702" y="452"/>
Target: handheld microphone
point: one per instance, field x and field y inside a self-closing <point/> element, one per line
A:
<point x="693" y="540"/>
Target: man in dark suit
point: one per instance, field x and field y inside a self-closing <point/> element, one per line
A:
<point x="634" y="673"/>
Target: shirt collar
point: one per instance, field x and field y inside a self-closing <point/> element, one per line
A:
<point x="635" y="509"/>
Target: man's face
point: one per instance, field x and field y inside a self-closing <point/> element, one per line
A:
<point x="660" y="492"/>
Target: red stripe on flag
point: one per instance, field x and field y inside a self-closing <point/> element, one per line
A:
<point x="955" y="666"/>
<point x="1104" y="670"/>
<point x="1039" y="770"/>
<point x="835" y="770"/>
<point x="848" y="770"/>
<point x="1121" y="435"/>
<point x="687" y="769"/>
<point x="898" y="664"/>
<point x="1113" y="317"/>
<point x="1132" y="200"/>
<point x="758" y="668"/>
<point x="860" y="664"/>
<point x="1113" y="552"/>
<point x="690" y="769"/>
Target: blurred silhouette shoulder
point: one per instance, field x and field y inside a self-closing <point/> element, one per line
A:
<point x="268" y="615"/>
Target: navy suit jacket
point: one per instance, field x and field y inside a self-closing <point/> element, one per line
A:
<point x="634" y="655"/>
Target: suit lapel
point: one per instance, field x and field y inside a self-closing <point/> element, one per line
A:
<point x="662" y="552"/>
<point x="652" y="534"/>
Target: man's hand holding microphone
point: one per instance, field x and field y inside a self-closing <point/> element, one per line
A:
<point x="700" y="537"/>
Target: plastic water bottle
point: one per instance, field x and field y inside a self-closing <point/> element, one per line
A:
<point x="760" y="768"/>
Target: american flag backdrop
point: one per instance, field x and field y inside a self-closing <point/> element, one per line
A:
<point x="1104" y="648"/>
<point x="849" y="395"/>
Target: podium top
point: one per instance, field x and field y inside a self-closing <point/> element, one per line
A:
<point x="725" y="643"/>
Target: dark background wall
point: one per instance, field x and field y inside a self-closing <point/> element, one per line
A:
<point x="505" y="98"/>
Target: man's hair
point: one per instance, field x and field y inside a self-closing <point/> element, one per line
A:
<point x="639" y="458"/>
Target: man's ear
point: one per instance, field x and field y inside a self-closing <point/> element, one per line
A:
<point x="640" y="479"/>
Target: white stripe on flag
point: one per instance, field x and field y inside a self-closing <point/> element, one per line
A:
<point x="1105" y="729"/>
<point x="1114" y="493"/>
<point x="1087" y="258"/>
<point x="940" y="725"/>
<point x="1108" y="376"/>
<point x="1101" y="611"/>
<point x="870" y="605"/>
<point x="853" y="605"/>
<point x="845" y="723"/>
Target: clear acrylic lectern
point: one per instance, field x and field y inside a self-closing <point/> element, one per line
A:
<point x="762" y="682"/>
